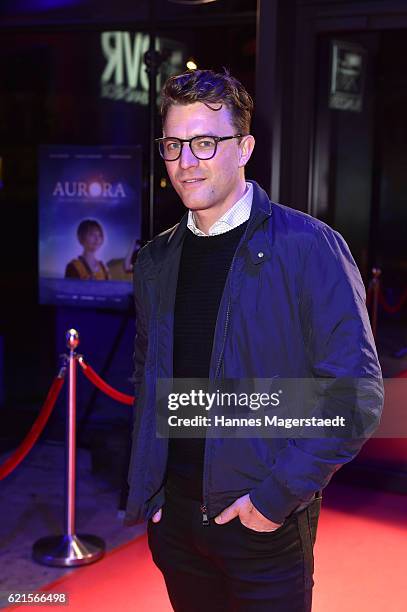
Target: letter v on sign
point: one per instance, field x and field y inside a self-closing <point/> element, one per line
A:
<point x="132" y="57"/>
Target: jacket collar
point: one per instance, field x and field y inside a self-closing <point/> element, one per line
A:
<point x="261" y="210"/>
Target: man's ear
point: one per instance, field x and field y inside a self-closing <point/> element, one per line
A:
<point x="246" y="147"/>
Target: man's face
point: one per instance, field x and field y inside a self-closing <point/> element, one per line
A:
<point x="206" y="184"/>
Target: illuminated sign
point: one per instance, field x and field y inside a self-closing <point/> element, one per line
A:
<point x="347" y="76"/>
<point x="125" y="76"/>
<point x="95" y="189"/>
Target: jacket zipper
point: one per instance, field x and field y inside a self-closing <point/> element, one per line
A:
<point x="205" y="519"/>
<point x="225" y="331"/>
<point x="204" y="507"/>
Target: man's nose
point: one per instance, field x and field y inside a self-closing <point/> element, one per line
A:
<point x="187" y="159"/>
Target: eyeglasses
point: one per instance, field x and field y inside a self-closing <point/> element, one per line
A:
<point x="203" y="147"/>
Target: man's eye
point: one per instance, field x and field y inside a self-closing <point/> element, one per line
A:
<point x="206" y="143"/>
<point x="172" y="146"/>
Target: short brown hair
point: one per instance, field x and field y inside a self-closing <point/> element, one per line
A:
<point x="210" y="88"/>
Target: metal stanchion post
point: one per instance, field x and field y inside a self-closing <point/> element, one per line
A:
<point x="70" y="549"/>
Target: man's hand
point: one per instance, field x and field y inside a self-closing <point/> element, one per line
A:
<point x="248" y="515"/>
<point x="156" y="518"/>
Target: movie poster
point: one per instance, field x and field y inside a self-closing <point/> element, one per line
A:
<point x="89" y="224"/>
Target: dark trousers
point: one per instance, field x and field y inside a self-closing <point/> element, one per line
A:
<point x="230" y="568"/>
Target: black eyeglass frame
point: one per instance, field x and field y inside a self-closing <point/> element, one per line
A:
<point x="217" y="140"/>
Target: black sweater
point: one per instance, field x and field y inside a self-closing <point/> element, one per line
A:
<point x="204" y="265"/>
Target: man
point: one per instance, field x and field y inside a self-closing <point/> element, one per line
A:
<point x="240" y="288"/>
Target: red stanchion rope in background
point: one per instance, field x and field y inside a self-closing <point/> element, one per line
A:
<point x="103" y="386"/>
<point x="392" y="309"/>
<point x="383" y="303"/>
<point x="18" y="455"/>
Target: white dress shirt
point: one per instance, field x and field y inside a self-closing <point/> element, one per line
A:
<point x="235" y="216"/>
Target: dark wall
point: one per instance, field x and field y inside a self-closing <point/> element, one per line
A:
<point x="343" y="159"/>
<point x="390" y="231"/>
<point x="51" y="62"/>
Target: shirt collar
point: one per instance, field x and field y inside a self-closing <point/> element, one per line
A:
<point x="235" y="216"/>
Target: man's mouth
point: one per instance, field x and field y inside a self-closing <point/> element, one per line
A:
<point x="193" y="180"/>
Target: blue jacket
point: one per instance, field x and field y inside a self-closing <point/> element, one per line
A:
<point x="293" y="306"/>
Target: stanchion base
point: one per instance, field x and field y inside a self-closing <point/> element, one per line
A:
<point x="68" y="551"/>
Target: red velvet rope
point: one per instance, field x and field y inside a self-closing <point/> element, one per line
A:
<point x="392" y="309"/>
<point x="382" y="300"/>
<point x="103" y="386"/>
<point x="18" y="455"/>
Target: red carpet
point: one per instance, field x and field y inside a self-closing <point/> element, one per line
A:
<point x="361" y="563"/>
<point x="361" y="552"/>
